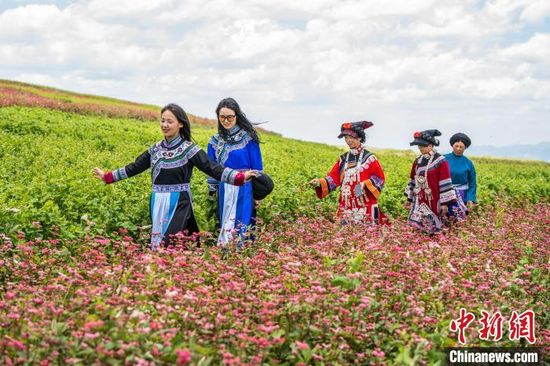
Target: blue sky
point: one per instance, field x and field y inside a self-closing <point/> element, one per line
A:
<point x="479" y="67"/>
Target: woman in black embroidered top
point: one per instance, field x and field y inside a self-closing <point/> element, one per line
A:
<point x="430" y="190"/>
<point x="171" y="161"/>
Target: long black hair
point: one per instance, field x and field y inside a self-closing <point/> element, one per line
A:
<point x="242" y="121"/>
<point x="185" y="131"/>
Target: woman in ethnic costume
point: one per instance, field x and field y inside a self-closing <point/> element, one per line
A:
<point x="463" y="176"/>
<point x="359" y="176"/>
<point x="236" y="146"/>
<point x="430" y="190"/>
<point x="171" y="161"/>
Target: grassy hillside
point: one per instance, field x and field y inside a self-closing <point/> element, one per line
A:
<point x="53" y="138"/>
<point x="13" y="93"/>
<point x="78" y="285"/>
<point x="48" y="155"/>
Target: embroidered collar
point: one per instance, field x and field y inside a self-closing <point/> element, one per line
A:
<point x="176" y="140"/>
<point x="357" y="150"/>
<point x="236" y="134"/>
<point x="234" y="130"/>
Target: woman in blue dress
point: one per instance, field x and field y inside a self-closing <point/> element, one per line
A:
<point x="463" y="176"/>
<point x="236" y="146"/>
<point x="172" y="161"/>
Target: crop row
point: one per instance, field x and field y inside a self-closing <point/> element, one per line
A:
<point x="47" y="156"/>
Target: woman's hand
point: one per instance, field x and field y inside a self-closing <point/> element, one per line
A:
<point x="248" y="175"/>
<point x="444" y="210"/>
<point x="257" y="203"/>
<point x="98" y="173"/>
<point x="315" y="182"/>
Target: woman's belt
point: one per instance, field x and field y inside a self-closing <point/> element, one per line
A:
<point x="184" y="187"/>
<point x="463" y="187"/>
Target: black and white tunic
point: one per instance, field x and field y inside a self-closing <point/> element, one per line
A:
<point x="171" y="164"/>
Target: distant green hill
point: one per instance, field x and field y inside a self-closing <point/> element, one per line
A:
<point x="51" y="140"/>
<point x="540" y="151"/>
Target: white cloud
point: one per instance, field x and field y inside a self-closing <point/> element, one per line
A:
<point x="40" y="79"/>
<point x="403" y="64"/>
<point x="124" y="8"/>
<point x="537" y="48"/>
<point x="536" y="11"/>
<point x="29" y="16"/>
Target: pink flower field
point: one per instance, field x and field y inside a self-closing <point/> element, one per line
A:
<point x="308" y="292"/>
<point x="27" y="95"/>
<point x="11" y="97"/>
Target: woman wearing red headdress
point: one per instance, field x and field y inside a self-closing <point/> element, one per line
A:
<point x="430" y="190"/>
<point x="359" y="176"/>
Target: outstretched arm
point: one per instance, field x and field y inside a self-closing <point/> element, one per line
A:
<point x="141" y="164"/>
<point x="323" y="186"/>
<point x="219" y="172"/>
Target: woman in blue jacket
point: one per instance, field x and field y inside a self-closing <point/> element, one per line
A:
<point x="463" y="176"/>
<point x="235" y="146"/>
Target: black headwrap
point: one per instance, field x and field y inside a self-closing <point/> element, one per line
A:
<point x="355" y="129"/>
<point x="462" y="138"/>
<point x="426" y="137"/>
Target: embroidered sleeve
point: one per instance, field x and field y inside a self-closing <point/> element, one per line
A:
<point x="217" y="171"/>
<point x="374" y="185"/>
<point x="229" y="176"/>
<point x="447" y="193"/>
<point x="330" y="182"/>
<point x="471" y="193"/>
<point x="375" y="176"/>
<point x="142" y="163"/>
<point x="409" y="190"/>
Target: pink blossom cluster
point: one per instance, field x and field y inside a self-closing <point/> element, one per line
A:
<point x="15" y="97"/>
<point x="308" y="291"/>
